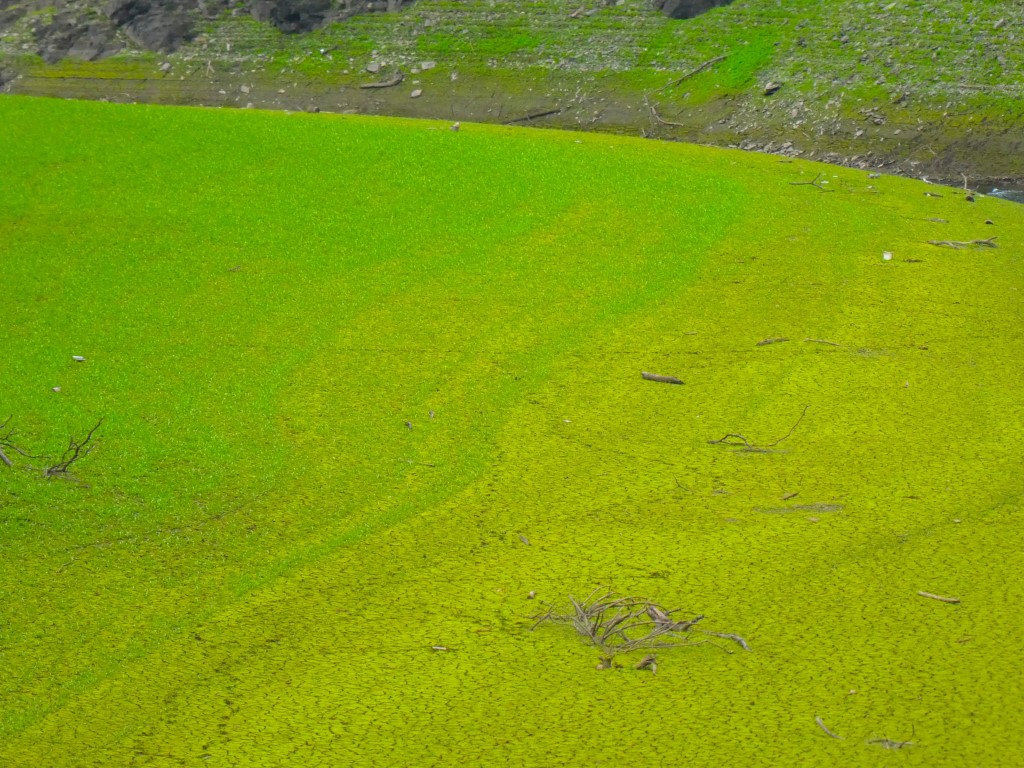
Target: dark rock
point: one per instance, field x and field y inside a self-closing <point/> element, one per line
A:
<point x="291" y="15"/>
<point x="70" y="35"/>
<point x="306" y="15"/>
<point x="687" y="9"/>
<point x="10" y="12"/>
<point x="157" y="25"/>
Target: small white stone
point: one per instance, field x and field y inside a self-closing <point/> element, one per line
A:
<point x="78" y="358"/>
<point x="56" y="389"/>
<point x="887" y="255"/>
<point x="416" y="94"/>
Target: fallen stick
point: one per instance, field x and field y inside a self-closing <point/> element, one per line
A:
<point x="386" y="83"/>
<point x="766" y="342"/>
<point x="534" y="116"/>
<point x="940" y="598"/>
<point x="727" y="636"/>
<point x="825" y="728"/>
<point x="4" y="459"/>
<point x="691" y="73"/>
<point x="754" y="447"/>
<point x="964" y="243"/>
<point x="822" y="341"/>
<point x="656" y="116"/>
<point x="662" y="379"/>
<point x="891" y="744"/>
<point x="812" y="183"/>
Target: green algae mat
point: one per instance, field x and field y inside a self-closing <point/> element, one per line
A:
<point x="371" y="399"/>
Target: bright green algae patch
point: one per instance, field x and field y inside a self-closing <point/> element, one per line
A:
<point x="261" y="553"/>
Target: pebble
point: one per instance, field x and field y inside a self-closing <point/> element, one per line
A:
<point x="416" y="94"/>
<point x="78" y="358"/>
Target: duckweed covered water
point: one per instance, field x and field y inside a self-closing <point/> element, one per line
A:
<point x="367" y="384"/>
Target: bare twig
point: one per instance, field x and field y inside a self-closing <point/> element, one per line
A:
<point x="766" y="342"/>
<point x="7" y="441"/>
<point x="691" y="73"/>
<point x="623" y="624"/>
<point x="957" y="244"/>
<point x="812" y="183"/>
<point x="791" y="429"/>
<point x="662" y="379"/>
<point x="659" y="118"/>
<point x="825" y="728"/>
<point x="728" y="636"/>
<point x="534" y="116"/>
<point x="822" y="341"/>
<point x="940" y="598"/>
<point x="891" y="743"/>
<point x="76" y="450"/>
<point x="746" y="445"/>
<point x="397" y="78"/>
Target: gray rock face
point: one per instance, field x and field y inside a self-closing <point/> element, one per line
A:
<point x="154" y="24"/>
<point x="687" y="9"/>
<point x="306" y="15"/>
<point x="163" y="25"/>
<point x="291" y="15"/>
<point x="69" y="35"/>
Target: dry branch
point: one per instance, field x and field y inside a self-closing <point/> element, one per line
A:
<point x="533" y="116"/>
<point x="825" y="728"/>
<point x="744" y="444"/>
<point x="7" y="441"/>
<point x="391" y="81"/>
<point x="616" y="624"/>
<point x="662" y="379"/>
<point x="77" y="449"/>
<point x="729" y="636"/>
<point x="691" y="73"/>
<point x="659" y="118"/>
<point x="812" y="183"/>
<point x="958" y="244"/>
<point x="891" y="743"/>
<point x="940" y="598"/>
<point x="822" y="341"/>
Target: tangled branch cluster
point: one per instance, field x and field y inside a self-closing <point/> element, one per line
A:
<point x="77" y="449"/>
<point x="616" y="624"/>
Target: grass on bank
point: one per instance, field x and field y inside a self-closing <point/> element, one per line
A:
<point x="367" y="383"/>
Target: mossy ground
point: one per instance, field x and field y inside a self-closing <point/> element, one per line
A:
<point x="260" y="553"/>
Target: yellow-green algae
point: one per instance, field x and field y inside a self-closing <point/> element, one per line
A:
<point x="263" y="553"/>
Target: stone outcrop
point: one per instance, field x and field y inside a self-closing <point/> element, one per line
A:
<point x="84" y="31"/>
<point x="687" y="9"/>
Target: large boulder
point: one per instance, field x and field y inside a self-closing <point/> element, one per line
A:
<point x="159" y="25"/>
<point x="305" y="15"/>
<point x="291" y="15"/>
<point x="687" y="9"/>
<point x="70" y="35"/>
